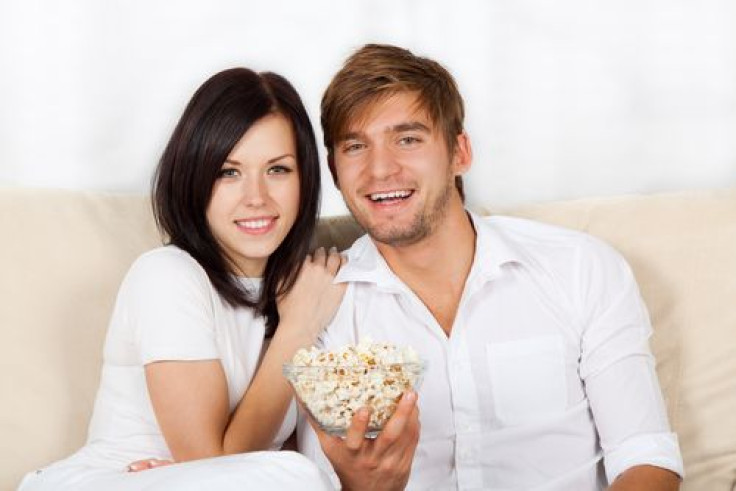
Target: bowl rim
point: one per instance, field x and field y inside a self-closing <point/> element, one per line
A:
<point x="422" y="364"/>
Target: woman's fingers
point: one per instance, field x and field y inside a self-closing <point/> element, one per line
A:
<point x="319" y="256"/>
<point x="334" y="261"/>
<point x="142" y="465"/>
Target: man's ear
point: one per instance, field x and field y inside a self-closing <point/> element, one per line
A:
<point x="463" y="155"/>
<point x="333" y="172"/>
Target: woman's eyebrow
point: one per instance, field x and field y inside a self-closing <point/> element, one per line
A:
<point x="276" y="159"/>
<point x="269" y="161"/>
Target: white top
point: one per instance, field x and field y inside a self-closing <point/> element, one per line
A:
<point x="167" y="309"/>
<point x="546" y="372"/>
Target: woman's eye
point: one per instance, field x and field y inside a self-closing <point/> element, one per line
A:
<point x="279" y="169"/>
<point x="229" y="172"/>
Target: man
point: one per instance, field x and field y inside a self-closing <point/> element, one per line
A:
<point x="539" y="372"/>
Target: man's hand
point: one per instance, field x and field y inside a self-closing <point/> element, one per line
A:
<point x="382" y="463"/>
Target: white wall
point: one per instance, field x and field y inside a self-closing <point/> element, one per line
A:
<point x="565" y="99"/>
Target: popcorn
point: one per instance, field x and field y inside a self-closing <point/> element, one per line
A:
<point x="333" y="385"/>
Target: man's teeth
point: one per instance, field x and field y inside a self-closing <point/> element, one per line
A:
<point x="254" y="223"/>
<point x="390" y="195"/>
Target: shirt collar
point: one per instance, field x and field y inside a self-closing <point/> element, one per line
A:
<point x="493" y="248"/>
<point x="492" y="251"/>
<point x="366" y="264"/>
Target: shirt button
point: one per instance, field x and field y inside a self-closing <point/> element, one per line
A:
<point x="467" y="456"/>
<point x="463" y="424"/>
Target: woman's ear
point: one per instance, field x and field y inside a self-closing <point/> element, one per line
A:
<point x="463" y="155"/>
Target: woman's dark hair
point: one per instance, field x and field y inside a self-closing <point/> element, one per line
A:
<point x="215" y="119"/>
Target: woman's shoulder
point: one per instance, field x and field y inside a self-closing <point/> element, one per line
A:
<point x="166" y="265"/>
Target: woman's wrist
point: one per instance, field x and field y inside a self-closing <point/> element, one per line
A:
<point x="294" y="334"/>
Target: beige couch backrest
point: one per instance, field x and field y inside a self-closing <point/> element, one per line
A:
<point x="63" y="255"/>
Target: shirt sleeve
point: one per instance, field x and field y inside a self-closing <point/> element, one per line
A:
<point x="618" y="368"/>
<point x="170" y="308"/>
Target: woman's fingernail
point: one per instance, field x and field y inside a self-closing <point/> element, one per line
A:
<point x="410" y="396"/>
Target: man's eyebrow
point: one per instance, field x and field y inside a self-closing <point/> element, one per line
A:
<point x="353" y="135"/>
<point x="397" y="128"/>
<point x="411" y="126"/>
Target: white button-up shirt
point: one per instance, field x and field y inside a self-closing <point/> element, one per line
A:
<point x="546" y="380"/>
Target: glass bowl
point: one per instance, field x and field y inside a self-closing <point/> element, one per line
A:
<point x="332" y="394"/>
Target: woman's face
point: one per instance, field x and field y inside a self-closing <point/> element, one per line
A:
<point x="255" y="198"/>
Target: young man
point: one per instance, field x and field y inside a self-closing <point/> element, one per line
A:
<point x="539" y="372"/>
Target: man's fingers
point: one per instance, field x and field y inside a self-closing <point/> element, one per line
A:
<point x="403" y="419"/>
<point x="327" y="442"/>
<point x="355" y="436"/>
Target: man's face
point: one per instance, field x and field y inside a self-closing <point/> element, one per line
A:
<point x="395" y="171"/>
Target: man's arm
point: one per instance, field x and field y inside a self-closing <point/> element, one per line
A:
<point x="383" y="463"/>
<point x="646" y="478"/>
<point x="619" y="373"/>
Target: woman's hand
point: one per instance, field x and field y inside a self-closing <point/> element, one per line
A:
<point x="303" y="312"/>
<point x="312" y="302"/>
<point x="143" y="465"/>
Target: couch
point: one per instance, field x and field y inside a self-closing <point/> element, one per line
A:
<point x="64" y="253"/>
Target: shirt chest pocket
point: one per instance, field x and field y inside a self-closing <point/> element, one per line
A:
<point x="528" y="379"/>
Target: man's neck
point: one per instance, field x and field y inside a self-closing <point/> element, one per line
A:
<point x="436" y="267"/>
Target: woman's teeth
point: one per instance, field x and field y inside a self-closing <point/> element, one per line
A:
<point x="254" y="223"/>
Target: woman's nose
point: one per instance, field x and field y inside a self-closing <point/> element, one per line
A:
<point x="254" y="191"/>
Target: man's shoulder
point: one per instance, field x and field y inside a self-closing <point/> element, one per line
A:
<point x="532" y="229"/>
<point x="360" y="244"/>
<point x="544" y="241"/>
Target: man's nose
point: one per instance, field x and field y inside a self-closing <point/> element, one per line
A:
<point x="383" y="162"/>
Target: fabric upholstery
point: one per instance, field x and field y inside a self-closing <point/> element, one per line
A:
<point x="64" y="253"/>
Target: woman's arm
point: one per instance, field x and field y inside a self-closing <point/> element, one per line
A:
<point x="646" y="478"/>
<point x="190" y="398"/>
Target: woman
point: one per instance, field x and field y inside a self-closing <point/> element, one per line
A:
<point x="237" y="195"/>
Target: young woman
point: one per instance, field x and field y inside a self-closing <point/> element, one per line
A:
<point x="201" y="327"/>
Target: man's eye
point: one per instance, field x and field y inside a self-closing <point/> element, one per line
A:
<point x="279" y="169"/>
<point x="352" y="147"/>
<point x="228" y="172"/>
<point x="408" y="140"/>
